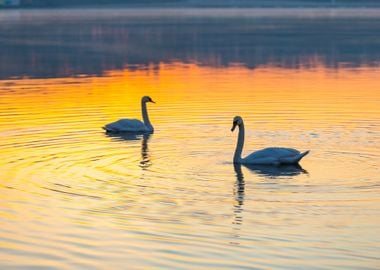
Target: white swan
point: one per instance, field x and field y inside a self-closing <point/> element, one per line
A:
<point x="267" y="156"/>
<point x="133" y="125"/>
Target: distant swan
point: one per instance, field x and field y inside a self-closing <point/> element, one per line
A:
<point x="133" y="125"/>
<point x="267" y="156"/>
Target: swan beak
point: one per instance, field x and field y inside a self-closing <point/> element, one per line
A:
<point x="153" y="101"/>
<point x="233" y="127"/>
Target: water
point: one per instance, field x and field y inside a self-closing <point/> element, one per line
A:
<point x="74" y="197"/>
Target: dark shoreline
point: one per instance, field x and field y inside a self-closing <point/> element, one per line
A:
<point x="76" y="42"/>
<point x="198" y="4"/>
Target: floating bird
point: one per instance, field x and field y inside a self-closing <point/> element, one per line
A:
<point x="268" y="156"/>
<point x="133" y="125"/>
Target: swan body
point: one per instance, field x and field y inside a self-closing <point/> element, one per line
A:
<point x="126" y="125"/>
<point x="267" y="156"/>
<point x="274" y="155"/>
<point x="133" y="125"/>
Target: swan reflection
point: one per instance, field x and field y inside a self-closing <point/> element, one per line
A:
<point x="269" y="171"/>
<point x="145" y="157"/>
<point x="266" y="171"/>
<point x="127" y="136"/>
<point x="239" y="192"/>
<point x="239" y="187"/>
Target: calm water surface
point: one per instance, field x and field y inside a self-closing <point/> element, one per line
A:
<point x="74" y="197"/>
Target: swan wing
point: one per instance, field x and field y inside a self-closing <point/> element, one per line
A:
<point x="274" y="156"/>
<point x="276" y="152"/>
<point x="126" y="125"/>
<point x="293" y="159"/>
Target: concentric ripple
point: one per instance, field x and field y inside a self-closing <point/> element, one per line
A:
<point x="75" y="197"/>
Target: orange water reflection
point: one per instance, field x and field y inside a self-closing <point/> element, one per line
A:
<point x="79" y="191"/>
<point x="322" y="96"/>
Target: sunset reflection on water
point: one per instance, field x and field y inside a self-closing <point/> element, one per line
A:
<point x="73" y="196"/>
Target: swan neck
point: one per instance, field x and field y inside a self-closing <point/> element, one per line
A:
<point x="145" y="116"/>
<point x="240" y="144"/>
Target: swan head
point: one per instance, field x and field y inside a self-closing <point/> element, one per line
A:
<point x="236" y="122"/>
<point x="147" y="99"/>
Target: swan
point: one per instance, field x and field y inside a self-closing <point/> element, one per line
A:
<point x="133" y="125"/>
<point x="268" y="156"/>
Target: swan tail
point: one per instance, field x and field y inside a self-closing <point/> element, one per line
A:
<point x="297" y="159"/>
<point x="294" y="160"/>
<point x="109" y="130"/>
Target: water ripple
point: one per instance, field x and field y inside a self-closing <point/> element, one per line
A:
<point x="75" y="197"/>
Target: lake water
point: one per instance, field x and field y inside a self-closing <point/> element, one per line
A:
<point x="73" y="197"/>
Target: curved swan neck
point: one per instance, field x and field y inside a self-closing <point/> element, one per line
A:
<point x="240" y="143"/>
<point x="145" y="116"/>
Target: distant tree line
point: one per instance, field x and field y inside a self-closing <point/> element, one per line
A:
<point x="61" y="3"/>
<point x="57" y="3"/>
<point x="63" y="46"/>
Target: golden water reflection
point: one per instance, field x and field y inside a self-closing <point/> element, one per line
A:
<point x="73" y="196"/>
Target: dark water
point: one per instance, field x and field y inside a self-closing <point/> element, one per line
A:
<point x="73" y="197"/>
<point x="61" y="43"/>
